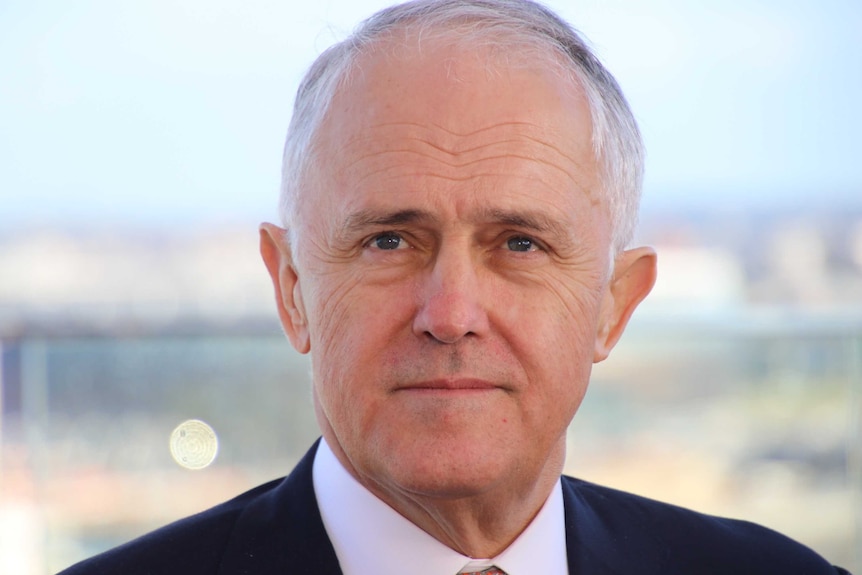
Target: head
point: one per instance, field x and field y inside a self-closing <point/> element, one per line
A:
<point x="452" y="214"/>
<point x="616" y="140"/>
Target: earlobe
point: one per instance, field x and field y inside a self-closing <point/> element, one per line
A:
<point x="276" y="254"/>
<point x="634" y="277"/>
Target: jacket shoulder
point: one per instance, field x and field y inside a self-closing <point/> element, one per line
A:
<point x="191" y="546"/>
<point x="671" y="539"/>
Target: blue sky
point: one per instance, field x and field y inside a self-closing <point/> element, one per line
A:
<point x="157" y="113"/>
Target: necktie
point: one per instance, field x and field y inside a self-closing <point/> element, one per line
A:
<point x="488" y="571"/>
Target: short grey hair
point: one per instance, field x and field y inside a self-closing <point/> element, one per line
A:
<point x="616" y="140"/>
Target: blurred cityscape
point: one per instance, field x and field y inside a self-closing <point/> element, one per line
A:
<point x="737" y="391"/>
<point x="119" y="280"/>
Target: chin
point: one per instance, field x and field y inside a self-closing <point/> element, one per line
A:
<point x="448" y="484"/>
<point x="451" y="469"/>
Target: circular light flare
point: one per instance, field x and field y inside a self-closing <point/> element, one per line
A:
<point x="194" y="444"/>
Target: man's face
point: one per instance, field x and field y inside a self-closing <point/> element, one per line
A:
<point x="452" y="273"/>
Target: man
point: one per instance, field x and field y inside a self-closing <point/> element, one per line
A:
<point x="461" y="180"/>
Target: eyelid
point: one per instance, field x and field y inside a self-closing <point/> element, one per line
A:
<point x="369" y="242"/>
<point x="538" y="245"/>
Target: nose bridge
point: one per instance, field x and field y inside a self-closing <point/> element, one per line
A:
<point x="451" y="296"/>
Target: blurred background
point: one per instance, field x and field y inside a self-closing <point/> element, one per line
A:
<point x="140" y="147"/>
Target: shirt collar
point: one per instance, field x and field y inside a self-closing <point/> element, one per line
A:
<point x="371" y="537"/>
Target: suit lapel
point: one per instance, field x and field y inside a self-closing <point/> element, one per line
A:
<point x="602" y="539"/>
<point x="281" y="531"/>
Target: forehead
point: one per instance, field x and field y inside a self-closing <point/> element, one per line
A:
<point x="452" y="81"/>
<point x="455" y="110"/>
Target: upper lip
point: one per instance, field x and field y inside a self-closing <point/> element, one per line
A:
<point x="450" y="384"/>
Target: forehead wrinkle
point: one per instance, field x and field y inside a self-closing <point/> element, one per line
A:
<point x="518" y="138"/>
<point x="451" y="157"/>
<point x="454" y="149"/>
<point x="477" y="131"/>
<point x="454" y="163"/>
<point x="466" y="178"/>
<point x="406" y="169"/>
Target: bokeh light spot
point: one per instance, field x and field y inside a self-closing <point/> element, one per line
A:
<point x="194" y="444"/>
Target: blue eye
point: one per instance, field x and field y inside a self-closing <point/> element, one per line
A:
<point x="388" y="241"/>
<point x="520" y="244"/>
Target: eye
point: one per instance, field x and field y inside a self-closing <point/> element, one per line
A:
<point x="521" y="244"/>
<point x="388" y="241"/>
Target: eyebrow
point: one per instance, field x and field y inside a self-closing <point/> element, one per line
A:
<point x="529" y="220"/>
<point x="368" y="218"/>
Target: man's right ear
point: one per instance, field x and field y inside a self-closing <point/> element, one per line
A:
<point x="275" y="250"/>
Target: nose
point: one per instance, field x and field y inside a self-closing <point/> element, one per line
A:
<point x="451" y="303"/>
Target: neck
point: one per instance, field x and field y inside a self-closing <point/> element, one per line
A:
<point x="480" y="524"/>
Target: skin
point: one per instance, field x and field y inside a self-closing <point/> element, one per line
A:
<point x="451" y="277"/>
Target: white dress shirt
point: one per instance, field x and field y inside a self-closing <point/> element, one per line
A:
<point x="371" y="537"/>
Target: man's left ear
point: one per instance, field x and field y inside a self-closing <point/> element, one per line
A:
<point x="634" y="276"/>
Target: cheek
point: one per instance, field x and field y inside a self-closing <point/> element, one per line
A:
<point x="552" y="332"/>
<point x="330" y="314"/>
<point x="354" y="317"/>
<point x="352" y="326"/>
<point x="559" y="314"/>
<point x="331" y="317"/>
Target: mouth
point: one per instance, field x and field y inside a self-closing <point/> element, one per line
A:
<point x="460" y="385"/>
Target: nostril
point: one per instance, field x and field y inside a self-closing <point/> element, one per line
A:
<point x="449" y="338"/>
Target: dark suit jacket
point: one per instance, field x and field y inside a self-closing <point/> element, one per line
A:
<point x="276" y="529"/>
